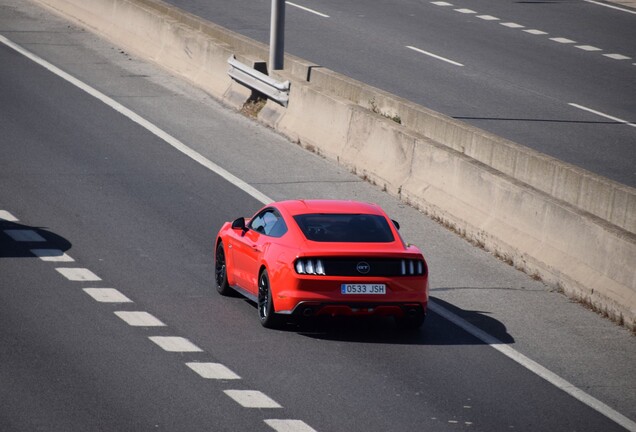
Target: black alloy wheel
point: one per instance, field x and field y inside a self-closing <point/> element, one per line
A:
<point x="220" y="272"/>
<point x="268" y="318"/>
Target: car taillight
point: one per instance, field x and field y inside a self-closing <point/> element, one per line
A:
<point x="412" y="267"/>
<point x="309" y="266"/>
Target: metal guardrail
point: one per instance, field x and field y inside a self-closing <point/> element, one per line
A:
<point x="277" y="91"/>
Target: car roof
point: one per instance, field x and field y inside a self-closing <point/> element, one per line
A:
<point x="298" y="207"/>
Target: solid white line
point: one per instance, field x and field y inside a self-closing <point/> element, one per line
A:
<point x="252" y="399"/>
<point x="139" y="319"/>
<point x="54" y="255"/>
<point x="535" y="367"/>
<point x="611" y="6"/>
<point x="78" y="274"/>
<point x="307" y="9"/>
<point x="7" y="216"/>
<point x="213" y="371"/>
<point x="107" y="295"/>
<point x="24" y="235"/>
<point x="434" y="55"/>
<point x="607" y="116"/>
<point x="142" y="122"/>
<point x="289" y="425"/>
<point x="175" y="344"/>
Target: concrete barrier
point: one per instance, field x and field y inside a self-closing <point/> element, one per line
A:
<point x="574" y="229"/>
<point x="609" y="200"/>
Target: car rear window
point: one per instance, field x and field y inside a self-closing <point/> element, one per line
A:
<point x="347" y="228"/>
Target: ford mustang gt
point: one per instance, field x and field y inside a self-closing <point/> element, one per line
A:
<point x="319" y="257"/>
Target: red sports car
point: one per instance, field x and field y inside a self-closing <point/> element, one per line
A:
<point x="317" y="257"/>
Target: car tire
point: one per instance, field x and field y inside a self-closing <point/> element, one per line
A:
<point x="220" y="272"/>
<point x="265" y="304"/>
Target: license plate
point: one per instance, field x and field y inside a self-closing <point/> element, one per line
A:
<point x="363" y="289"/>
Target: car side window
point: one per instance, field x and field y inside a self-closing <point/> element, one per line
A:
<point x="269" y="222"/>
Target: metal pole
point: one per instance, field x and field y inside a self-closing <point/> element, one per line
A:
<point x="277" y="36"/>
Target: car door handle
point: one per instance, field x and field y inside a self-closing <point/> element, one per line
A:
<point x="256" y="248"/>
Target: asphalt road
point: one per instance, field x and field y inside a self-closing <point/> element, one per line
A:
<point x="524" y="70"/>
<point x="141" y="216"/>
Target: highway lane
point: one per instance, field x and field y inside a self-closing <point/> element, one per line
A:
<point x="67" y="362"/>
<point x="141" y="216"/>
<point x="526" y="66"/>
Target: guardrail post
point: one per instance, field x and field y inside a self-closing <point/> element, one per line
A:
<point x="277" y="36"/>
<point x="256" y="80"/>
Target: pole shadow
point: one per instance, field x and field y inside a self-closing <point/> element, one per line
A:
<point x="18" y="240"/>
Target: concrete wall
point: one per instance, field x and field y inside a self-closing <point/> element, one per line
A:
<point x="572" y="228"/>
<point x="602" y="197"/>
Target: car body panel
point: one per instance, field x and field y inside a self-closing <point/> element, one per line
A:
<point x="249" y="251"/>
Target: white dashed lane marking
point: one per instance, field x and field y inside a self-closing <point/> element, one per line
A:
<point x="252" y="399"/>
<point x="588" y="48"/>
<point x="511" y="25"/>
<point x="139" y="319"/>
<point x="8" y="216"/>
<point x="107" y="295"/>
<point x="617" y="56"/>
<point x="289" y="425"/>
<point x="167" y="343"/>
<point x="217" y="371"/>
<point x="23" y="235"/>
<point x="598" y="113"/>
<point x="213" y="371"/>
<point x="306" y="9"/>
<point x="78" y="274"/>
<point x="536" y="32"/>
<point x="53" y="255"/>
<point x="562" y="40"/>
<point x="175" y="344"/>
<point x="434" y="56"/>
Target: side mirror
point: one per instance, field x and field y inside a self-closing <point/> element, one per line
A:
<point x="396" y="223"/>
<point x="239" y="224"/>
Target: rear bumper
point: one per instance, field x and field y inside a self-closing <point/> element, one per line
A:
<point x="321" y="295"/>
<point x="398" y="310"/>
